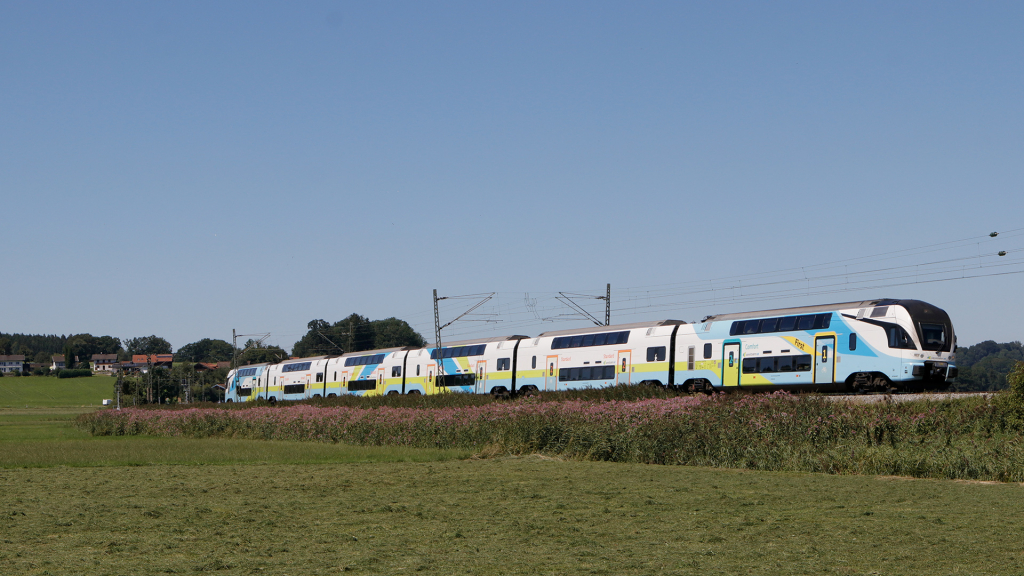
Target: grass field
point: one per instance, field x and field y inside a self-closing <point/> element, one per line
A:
<point x="76" y="504"/>
<point x="50" y="391"/>
<point x="524" y="515"/>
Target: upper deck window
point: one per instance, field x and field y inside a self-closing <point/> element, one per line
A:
<point x="364" y="360"/>
<point x="593" y="339"/>
<point x="297" y="367"/>
<point x="783" y="324"/>
<point x="459" y="351"/>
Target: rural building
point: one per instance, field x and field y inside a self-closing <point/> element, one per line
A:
<point x="58" y="362"/>
<point x="104" y="362"/>
<point x="142" y="362"/>
<point x="12" y="363"/>
<point x="203" y="366"/>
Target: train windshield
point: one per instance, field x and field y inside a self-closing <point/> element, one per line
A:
<point x="933" y="336"/>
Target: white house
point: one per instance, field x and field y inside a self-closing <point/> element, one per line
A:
<point x="12" y="363"/>
<point x="58" y="362"/>
<point x="103" y="362"/>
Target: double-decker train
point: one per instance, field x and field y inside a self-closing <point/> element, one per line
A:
<point x="873" y="345"/>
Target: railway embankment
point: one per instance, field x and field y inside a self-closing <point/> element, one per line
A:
<point x="975" y="438"/>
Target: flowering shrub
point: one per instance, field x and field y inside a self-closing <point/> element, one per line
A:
<point x="974" y="438"/>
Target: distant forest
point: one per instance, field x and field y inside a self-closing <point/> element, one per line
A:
<point x="984" y="366"/>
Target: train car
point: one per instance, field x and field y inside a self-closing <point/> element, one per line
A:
<point x="870" y="345"/>
<point x="295" y="379"/>
<point x="481" y="366"/>
<point x="598" y="356"/>
<point x="367" y="373"/>
<point x="243" y="384"/>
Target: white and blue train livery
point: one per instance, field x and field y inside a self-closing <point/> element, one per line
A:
<point x="871" y="345"/>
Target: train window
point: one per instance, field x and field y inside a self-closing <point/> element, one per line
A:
<point x="504" y="364"/>
<point x="533" y="363"/>
<point x="767" y="365"/>
<point x="822" y="321"/>
<point x="879" y="312"/>
<point x="707" y="351"/>
<point x="588" y="340"/>
<point x="736" y="328"/>
<point x="853" y="341"/>
<point x="600" y="339"/>
<point x="447" y="353"/>
<point x="656" y="354"/>
<point x="934" y="336"/>
<point x="298" y="367"/>
<point x="787" y="324"/>
<point x="806" y="322"/>
<point x="731" y="359"/>
<point x="585" y="373"/>
<point x="784" y="364"/>
<point x="577" y="341"/>
<point x="751" y="326"/>
<point x="609" y="372"/>
<point x="803" y="363"/>
<point x="396" y="371"/>
<point x="417" y="369"/>
<point x="769" y="325"/>
<point x="319" y="376"/>
<point x="750" y="365"/>
<point x="898" y="338"/>
<point x="689" y="358"/>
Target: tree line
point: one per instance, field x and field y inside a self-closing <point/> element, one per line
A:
<point x="355" y="333"/>
<point x="41" y="347"/>
<point x="984" y="366"/>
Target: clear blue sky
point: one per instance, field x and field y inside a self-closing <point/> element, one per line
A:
<point x="188" y="168"/>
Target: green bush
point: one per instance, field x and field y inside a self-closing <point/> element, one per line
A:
<point x="1016" y="379"/>
<point x="74" y="373"/>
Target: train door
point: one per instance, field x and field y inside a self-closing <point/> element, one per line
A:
<point x="623" y="367"/>
<point x="430" y="386"/>
<point x="481" y="376"/>
<point x="306" y="387"/>
<point x="731" y="365"/>
<point x="551" y="373"/>
<point x="824" y="360"/>
<point x="344" y="382"/>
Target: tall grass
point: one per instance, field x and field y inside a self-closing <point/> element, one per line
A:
<point x="963" y="439"/>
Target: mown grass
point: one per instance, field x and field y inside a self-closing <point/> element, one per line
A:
<point x="47" y="438"/>
<point x="50" y="391"/>
<point x="513" y="515"/>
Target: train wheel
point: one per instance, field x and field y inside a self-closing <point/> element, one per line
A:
<point x="413" y="393"/>
<point x="393" y="393"/>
